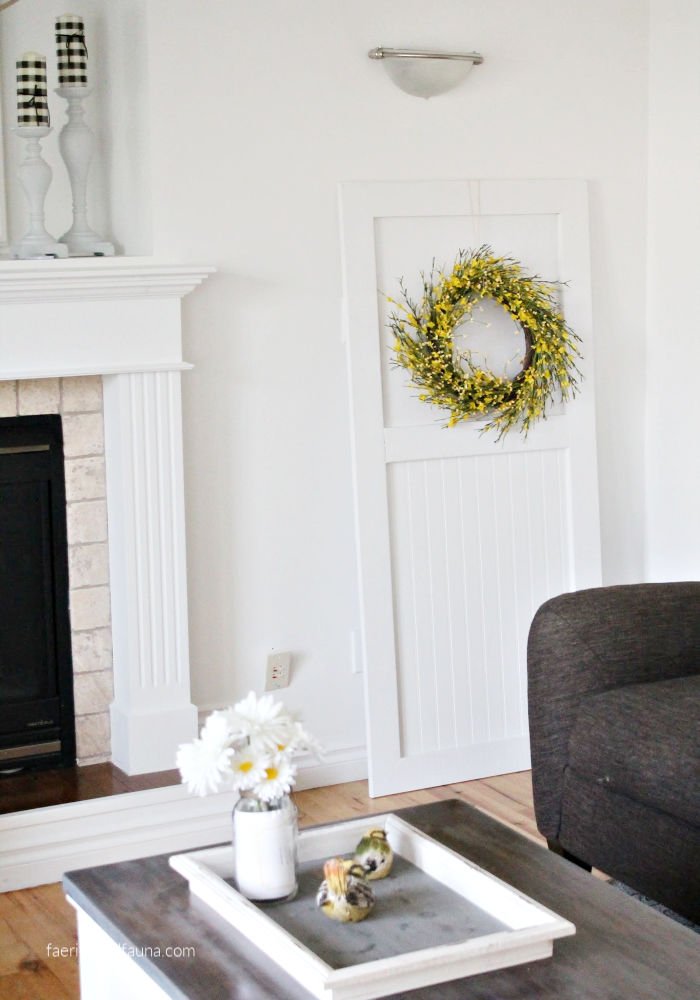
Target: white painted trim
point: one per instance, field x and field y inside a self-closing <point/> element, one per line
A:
<point x="336" y="767"/>
<point x="75" y="371"/>
<point x="92" y="279"/>
<point x="39" y="845"/>
<point x="148" y="575"/>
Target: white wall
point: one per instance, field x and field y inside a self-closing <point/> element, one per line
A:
<point x="256" y="112"/>
<point x="673" y="417"/>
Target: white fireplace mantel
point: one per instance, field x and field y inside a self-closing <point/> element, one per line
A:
<point x="120" y="318"/>
<point x="92" y="316"/>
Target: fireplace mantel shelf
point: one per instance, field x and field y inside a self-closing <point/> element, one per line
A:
<point x="92" y="316"/>
<point x="93" y="278"/>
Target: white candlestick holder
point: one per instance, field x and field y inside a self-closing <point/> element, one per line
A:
<point x="76" y="141"/>
<point x="35" y="177"/>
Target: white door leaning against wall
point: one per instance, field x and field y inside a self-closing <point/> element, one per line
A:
<point x="460" y="538"/>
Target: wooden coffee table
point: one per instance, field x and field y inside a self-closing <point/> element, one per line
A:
<point x="130" y="914"/>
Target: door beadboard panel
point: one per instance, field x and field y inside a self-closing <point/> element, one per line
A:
<point x="477" y="543"/>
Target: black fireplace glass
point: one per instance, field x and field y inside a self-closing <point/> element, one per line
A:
<point x="37" y="726"/>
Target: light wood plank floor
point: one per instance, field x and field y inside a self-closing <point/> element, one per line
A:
<point x="38" y="945"/>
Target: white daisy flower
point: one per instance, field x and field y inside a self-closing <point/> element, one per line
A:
<point x="202" y="765"/>
<point x="302" y="742"/>
<point x="280" y="775"/>
<point x="248" y="769"/>
<point x="262" y="720"/>
<point x="216" y="731"/>
<point x="249" y="746"/>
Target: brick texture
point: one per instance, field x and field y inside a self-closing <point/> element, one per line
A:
<point x="88" y="564"/>
<point x="8" y="399"/>
<point x="79" y="401"/>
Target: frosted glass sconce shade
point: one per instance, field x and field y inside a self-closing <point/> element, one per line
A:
<point x="426" y="74"/>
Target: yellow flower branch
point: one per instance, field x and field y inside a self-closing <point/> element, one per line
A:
<point x="423" y="343"/>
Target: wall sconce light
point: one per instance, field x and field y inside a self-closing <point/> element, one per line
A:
<point x="426" y="74"/>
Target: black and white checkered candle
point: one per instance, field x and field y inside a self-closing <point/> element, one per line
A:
<point x="71" y="51"/>
<point x="32" y="103"/>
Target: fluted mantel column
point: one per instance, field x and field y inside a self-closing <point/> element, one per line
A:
<point x="151" y="713"/>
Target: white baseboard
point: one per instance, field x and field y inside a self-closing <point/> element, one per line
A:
<point x="37" y="846"/>
<point x="336" y="768"/>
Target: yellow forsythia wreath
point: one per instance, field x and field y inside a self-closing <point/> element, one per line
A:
<point x="423" y="343"/>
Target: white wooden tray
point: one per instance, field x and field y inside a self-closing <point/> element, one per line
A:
<point x="517" y="928"/>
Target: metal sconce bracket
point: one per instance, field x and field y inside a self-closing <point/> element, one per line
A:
<point x="424" y="73"/>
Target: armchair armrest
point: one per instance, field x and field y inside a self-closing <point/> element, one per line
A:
<point x="590" y="641"/>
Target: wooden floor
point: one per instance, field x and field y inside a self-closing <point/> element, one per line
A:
<point x="38" y="946"/>
<point x="33" y="789"/>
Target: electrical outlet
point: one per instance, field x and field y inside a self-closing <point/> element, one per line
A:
<point x="277" y="673"/>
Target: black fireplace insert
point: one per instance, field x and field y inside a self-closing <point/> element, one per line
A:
<point x="37" y="717"/>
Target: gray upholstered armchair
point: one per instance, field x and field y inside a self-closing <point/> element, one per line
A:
<point x="614" y="703"/>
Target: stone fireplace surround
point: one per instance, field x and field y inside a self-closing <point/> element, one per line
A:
<point x="119" y="319"/>
<point x="79" y="402"/>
